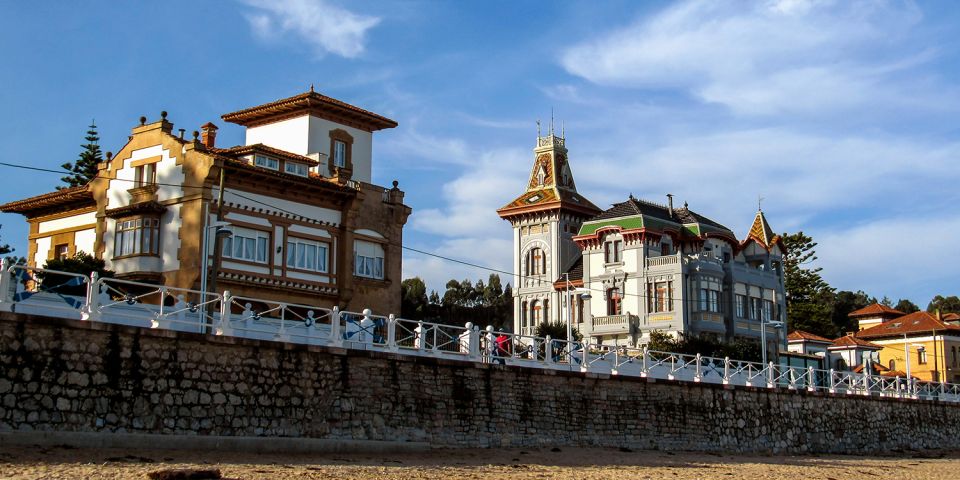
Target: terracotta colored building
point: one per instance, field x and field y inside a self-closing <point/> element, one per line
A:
<point x="306" y="223"/>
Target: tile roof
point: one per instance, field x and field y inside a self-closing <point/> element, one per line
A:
<point x="851" y="341"/>
<point x="800" y="335"/>
<point x="64" y="196"/>
<point x="266" y="150"/>
<point x="621" y="213"/>
<point x="307" y="102"/>
<point x="761" y="233"/>
<point x="876" y="310"/>
<point x="917" y="322"/>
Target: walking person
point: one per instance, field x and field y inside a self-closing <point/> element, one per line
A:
<point x="503" y="346"/>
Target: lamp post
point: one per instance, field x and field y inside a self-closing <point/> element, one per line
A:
<point x="220" y="232"/>
<point x="763" y="337"/>
<point x="583" y="293"/>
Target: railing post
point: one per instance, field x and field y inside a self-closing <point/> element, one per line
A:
<point x="336" y="338"/>
<point x="223" y="327"/>
<point x="697" y="373"/>
<point x="392" y="333"/>
<point x="91" y="311"/>
<point x="833" y="382"/>
<point x="419" y="339"/>
<point x="770" y="375"/>
<point x="726" y="370"/>
<point x="548" y="350"/>
<point x="474" y="345"/>
<point x="366" y="328"/>
<point x="6" y="292"/>
<point x="585" y="351"/>
<point x="645" y="368"/>
<point x="811" y="386"/>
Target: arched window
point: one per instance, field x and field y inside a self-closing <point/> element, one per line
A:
<point x="536" y="262"/>
<point x="524" y="316"/>
<point x="535" y="313"/>
<point x="546" y="310"/>
<point x="893" y="365"/>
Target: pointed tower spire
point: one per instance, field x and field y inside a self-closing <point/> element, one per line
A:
<point x="761" y="232"/>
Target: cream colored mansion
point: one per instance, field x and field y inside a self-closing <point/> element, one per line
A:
<point x="647" y="266"/>
<point x="307" y="224"/>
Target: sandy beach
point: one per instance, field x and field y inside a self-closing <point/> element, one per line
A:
<point x="515" y="464"/>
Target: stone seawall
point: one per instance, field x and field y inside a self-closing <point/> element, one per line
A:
<point x="65" y="375"/>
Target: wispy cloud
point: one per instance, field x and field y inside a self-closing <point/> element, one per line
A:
<point x="764" y="58"/>
<point x="327" y="28"/>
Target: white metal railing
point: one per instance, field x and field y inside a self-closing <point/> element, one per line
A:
<point x="69" y="295"/>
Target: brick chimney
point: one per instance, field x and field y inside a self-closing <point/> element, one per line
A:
<point x="209" y="135"/>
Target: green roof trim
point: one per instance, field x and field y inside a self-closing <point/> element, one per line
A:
<point x="692" y="229"/>
<point x="624" y="223"/>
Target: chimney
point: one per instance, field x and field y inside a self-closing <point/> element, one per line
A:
<point x="209" y="137"/>
<point x="670" y="203"/>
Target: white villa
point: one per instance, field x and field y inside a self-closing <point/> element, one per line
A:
<point x="646" y="266"/>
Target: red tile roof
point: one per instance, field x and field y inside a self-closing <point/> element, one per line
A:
<point x="800" y="335"/>
<point x="304" y="103"/>
<point x="79" y="195"/>
<point x="850" y="341"/>
<point x="876" y="310"/>
<point x="917" y="322"/>
<point x="240" y="150"/>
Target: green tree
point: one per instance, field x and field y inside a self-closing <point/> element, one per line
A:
<point x="82" y="263"/>
<point x="4" y="248"/>
<point x="413" y="299"/>
<point x="949" y="304"/>
<point x="85" y="168"/>
<point x="846" y="302"/>
<point x="809" y="297"/>
<point x="906" y="306"/>
<point x="557" y="331"/>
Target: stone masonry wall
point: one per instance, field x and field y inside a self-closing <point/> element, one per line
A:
<point x="66" y="375"/>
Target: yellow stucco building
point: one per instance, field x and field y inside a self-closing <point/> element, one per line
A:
<point x="925" y="345"/>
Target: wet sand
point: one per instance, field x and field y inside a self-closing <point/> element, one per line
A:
<point x="514" y="464"/>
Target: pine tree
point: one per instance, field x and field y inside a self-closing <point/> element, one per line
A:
<point x="809" y="297"/>
<point x="85" y="168"/>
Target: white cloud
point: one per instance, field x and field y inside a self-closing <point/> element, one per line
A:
<point x="327" y="28"/>
<point x="425" y="150"/>
<point x="892" y="255"/>
<point x="788" y="56"/>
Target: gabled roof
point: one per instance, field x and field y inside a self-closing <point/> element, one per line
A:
<point x="915" y="323"/>
<point x="850" y="341"/>
<point x="79" y="196"/>
<point x="876" y="310"/>
<point x="761" y="233"/>
<point x="311" y="103"/>
<point x="802" y="336"/>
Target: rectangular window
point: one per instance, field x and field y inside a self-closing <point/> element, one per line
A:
<point x="755" y="308"/>
<point x="664" y="248"/>
<point x="368" y="259"/>
<point x="614" y="302"/>
<point x="307" y="255"/>
<point x="145" y="175"/>
<point x="61" y="251"/>
<point x="266" y="162"/>
<point x="741" y="306"/>
<point x="613" y="251"/>
<point x="137" y="236"/>
<point x="767" y="311"/>
<point x="339" y="154"/>
<point x="296" y="169"/>
<point x="660" y="296"/>
<point x="921" y="355"/>
<point x="245" y="244"/>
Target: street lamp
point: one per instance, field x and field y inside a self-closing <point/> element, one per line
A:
<point x="220" y="232"/>
<point x="763" y="337"/>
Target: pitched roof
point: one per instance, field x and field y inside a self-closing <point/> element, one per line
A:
<point x="550" y="185"/>
<point x="636" y="213"/>
<point x="761" y="233"/>
<point x="850" y="341"/>
<point x="80" y="195"/>
<point x="800" y="335"/>
<point x="876" y="310"/>
<point x="917" y="322"/>
<point x="309" y="103"/>
<point x="266" y="150"/>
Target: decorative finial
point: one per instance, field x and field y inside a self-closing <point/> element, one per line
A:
<point x="163" y="115"/>
<point x="684" y="204"/>
<point x="759" y="201"/>
<point x="538" y="128"/>
<point x="551" y="121"/>
<point x="311" y="88"/>
<point x="563" y="129"/>
<point x="109" y="156"/>
<point x="395" y="184"/>
<point x="143" y="120"/>
<point x="631" y="196"/>
<point x="195" y="135"/>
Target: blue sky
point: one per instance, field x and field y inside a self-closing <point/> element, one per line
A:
<point x="842" y="115"/>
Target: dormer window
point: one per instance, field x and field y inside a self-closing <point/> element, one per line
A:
<point x="145" y="175"/>
<point x="266" y="162"/>
<point x="296" y="169"/>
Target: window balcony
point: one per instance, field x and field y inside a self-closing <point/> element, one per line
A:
<point x="613" y="323"/>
